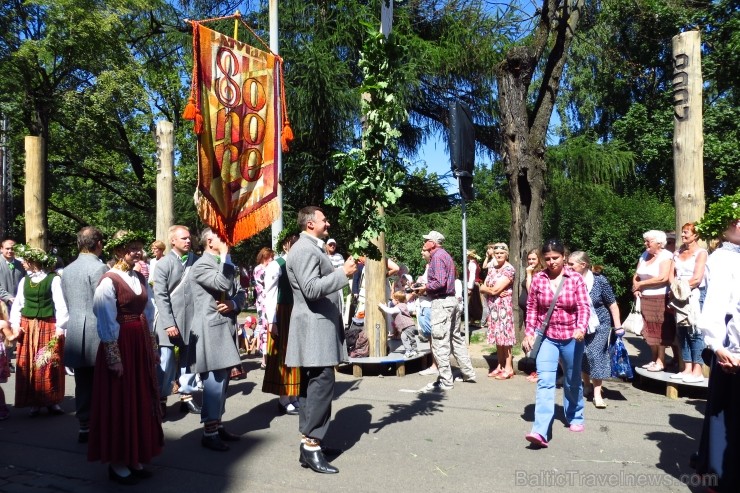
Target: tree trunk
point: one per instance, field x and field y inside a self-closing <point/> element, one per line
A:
<point x="35" y="193"/>
<point x="165" y="179"/>
<point x="524" y="126"/>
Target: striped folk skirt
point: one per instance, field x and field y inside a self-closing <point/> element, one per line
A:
<point x="660" y="326"/>
<point x="43" y="386"/>
<point x="280" y="379"/>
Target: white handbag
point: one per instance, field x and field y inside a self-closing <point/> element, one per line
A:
<point x="633" y="323"/>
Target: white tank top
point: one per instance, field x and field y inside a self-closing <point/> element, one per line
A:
<point x="647" y="271"/>
<point x="685" y="268"/>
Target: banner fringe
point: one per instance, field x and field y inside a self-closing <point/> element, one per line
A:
<point x="243" y="228"/>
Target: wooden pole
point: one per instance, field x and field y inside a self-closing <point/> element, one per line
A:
<point x="165" y="138"/>
<point x="376" y="284"/>
<point x="688" y="136"/>
<point x="35" y="193"/>
<point x="277" y="225"/>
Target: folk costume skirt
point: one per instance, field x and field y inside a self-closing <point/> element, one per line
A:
<point x="660" y="326"/>
<point x="43" y="386"/>
<point x="126" y="420"/>
<point x="280" y="379"/>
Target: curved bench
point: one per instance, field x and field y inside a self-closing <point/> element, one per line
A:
<point x="671" y="385"/>
<point x="393" y="358"/>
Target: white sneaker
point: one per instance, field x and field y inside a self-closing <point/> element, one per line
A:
<point x="429" y="371"/>
<point x="677" y="376"/>
<point x="692" y="379"/>
<point x="438" y="386"/>
<point x="410" y="354"/>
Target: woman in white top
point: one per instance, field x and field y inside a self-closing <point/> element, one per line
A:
<point x="650" y="284"/>
<point x="689" y="263"/>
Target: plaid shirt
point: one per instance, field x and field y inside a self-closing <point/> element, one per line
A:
<point x="571" y="310"/>
<point x="441" y="275"/>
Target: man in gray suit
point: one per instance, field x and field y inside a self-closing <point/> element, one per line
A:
<point x="174" y="300"/>
<point x="218" y="299"/>
<point x="316" y="339"/>
<point x="11" y="273"/>
<point x="80" y="279"/>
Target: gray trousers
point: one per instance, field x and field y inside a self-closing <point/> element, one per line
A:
<point x="448" y="337"/>
<point x="83" y="394"/>
<point x="316" y="394"/>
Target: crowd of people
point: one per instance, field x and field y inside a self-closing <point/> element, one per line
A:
<point x="132" y="341"/>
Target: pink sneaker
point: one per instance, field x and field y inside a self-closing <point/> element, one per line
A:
<point x="536" y="439"/>
<point x="577" y="428"/>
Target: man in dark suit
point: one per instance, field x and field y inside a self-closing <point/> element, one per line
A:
<point x="218" y="299"/>
<point x="316" y="340"/>
<point x="80" y="279"/>
<point x="174" y="301"/>
<point x="11" y="274"/>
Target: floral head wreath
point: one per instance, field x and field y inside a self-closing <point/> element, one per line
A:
<point x="121" y="241"/>
<point x="33" y="254"/>
<point x="719" y="216"/>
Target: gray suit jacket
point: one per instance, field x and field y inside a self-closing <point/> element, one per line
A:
<point x="79" y="281"/>
<point x="316" y="336"/>
<point x="10" y="278"/>
<point x="215" y="333"/>
<point x="173" y="307"/>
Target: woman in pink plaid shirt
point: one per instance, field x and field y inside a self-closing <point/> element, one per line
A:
<point x="564" y="340"/>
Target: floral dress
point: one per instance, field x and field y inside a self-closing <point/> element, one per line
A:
<point x="500" y="310"/>
<point x="260" y="331"/>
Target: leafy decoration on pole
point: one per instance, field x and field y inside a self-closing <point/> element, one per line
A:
<point x="372" y="173"/>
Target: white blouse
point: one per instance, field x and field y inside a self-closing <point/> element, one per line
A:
<point x="60" y="306"/>
<point x="104" y="304"/>
<point x="647" y="271"/>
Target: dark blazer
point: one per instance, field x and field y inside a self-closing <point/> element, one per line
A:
<point x="79" y="281"/>
<point x="174" y="307"/>
<point x="316" y="336"/>
<point x="10" y="278"/>
<point x="214" y="333"/>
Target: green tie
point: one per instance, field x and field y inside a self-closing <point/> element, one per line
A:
<point x="11" y="266"/>
<point x="184" y="258"/>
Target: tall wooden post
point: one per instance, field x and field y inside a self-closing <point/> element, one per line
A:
<point x="688" y="137"/>
<point x="376" y="326"/>
<point x="35" y="193"/>
<point x="165" y="186"/>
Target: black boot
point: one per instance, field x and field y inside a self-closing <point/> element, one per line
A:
<point x="189" y="406"/>
<point x="315" y="460"/>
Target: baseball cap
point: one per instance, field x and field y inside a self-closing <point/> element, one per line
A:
<point x="331" y="240"/>
<point x="435" y="236"/>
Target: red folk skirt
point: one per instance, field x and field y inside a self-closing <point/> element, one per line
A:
<point x="660" y="326"/>
<point x="38" y="386"/>
<point x="126" y="420"/>
<point x="280" y="379"/>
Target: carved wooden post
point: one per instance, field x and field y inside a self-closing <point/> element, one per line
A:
<point x="35" y="193"/>
<point x="688" y="138"/>
<point x="165" y="194"/>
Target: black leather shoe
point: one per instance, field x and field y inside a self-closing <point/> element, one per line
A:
<point x="82" y="436"/>
<point x="284" y="410"/>
<point x="55" y="410"/>
<point x="227" y="437"/>
<point x="316" y="461"/>
<point x="163" y="408"/>
<point x="214" y="443"/>
<point x="12" y="367"/>
<point x="189" y="407"/>
<point x="142" y="473"/>
<point x="113" y="476"/>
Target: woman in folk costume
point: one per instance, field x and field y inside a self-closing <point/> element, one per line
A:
<point x="38" y="317"/>
<point x="126" y="421"/>
<point x="280" y="379"/>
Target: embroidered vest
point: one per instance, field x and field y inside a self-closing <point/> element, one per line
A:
<point x="38" y="300"/>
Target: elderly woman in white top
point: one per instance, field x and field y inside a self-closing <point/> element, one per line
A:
<point x="719" y="452"/>
<point x="650" y="284"/>
<point x="689" y="262"/>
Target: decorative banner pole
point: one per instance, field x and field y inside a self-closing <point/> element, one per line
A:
<point x="688" y="138"/>
<point x="277" y="226"/>
<point x="35" y="193"/>
<point x="165" y="195"/>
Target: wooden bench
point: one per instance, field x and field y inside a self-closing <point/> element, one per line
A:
<point x="671" y="385"/>
<point x="394" y="358"/>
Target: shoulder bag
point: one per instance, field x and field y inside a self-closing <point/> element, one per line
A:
<point x="633" y="323"/>
<point x="540" y="333"/>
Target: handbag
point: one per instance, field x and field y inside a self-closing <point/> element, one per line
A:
<point x="634" y="322"/>
<point x="620" y="360"/>
<point x="539" y="334"/>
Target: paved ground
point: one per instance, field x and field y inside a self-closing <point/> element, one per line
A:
<point x="394" y="439"/>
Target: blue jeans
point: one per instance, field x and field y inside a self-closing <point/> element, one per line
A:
<point x="425" y="321"/>
<point x="168" y="373"/>
<point x="215" y="385"/>
<point x="691" y="340"/>
<point x="570" y="352"/>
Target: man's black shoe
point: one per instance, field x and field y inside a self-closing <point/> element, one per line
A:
<point x="227" y="437"/>
<point x="316" y="461"/>
<point x="214" y="443"/>
<point x="12" y="367"/>
<point x="82" y="436"/>
<point x="189" y="406"/>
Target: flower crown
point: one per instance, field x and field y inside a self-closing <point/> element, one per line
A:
<point x="33" y="254"/>
<point x="718" y="216"/>
<point x="124" y="239"/>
